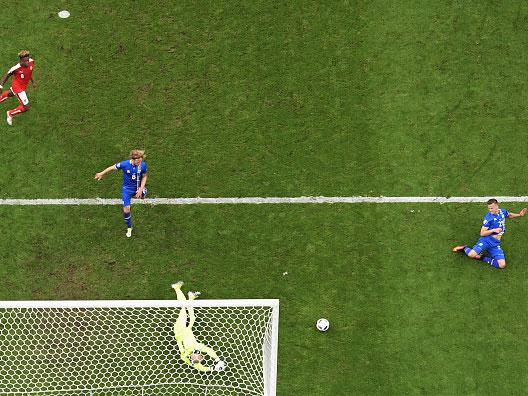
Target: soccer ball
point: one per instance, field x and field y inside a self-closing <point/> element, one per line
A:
<point x="322" y="324"/>
<point x="220" y="365"/>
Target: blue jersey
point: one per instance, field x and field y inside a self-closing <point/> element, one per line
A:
<point x="131" y="174"/>
<point x="496" y="221"/>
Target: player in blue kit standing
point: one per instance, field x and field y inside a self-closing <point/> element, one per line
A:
<point x="493" y="227"/>
<point x="134" y="181"/>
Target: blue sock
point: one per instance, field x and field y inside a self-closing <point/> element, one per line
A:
<point x="467" y="250"/>
<point x="128" y="219"/>
<point x="490" y="261"/>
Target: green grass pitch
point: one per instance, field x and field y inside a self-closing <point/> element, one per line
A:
<point x="284" y="98"/>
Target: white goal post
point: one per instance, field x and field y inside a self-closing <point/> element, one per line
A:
<point x="96" y="348"/>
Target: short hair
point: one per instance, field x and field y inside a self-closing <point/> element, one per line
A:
<point x="23" y="54"/>
<point x="136" y="154"/>
<point x="492" y="201"/>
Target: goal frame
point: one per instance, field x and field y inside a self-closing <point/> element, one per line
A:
<point x="270" y="371"/>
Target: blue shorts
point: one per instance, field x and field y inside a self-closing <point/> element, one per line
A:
<point x="491" y="245"/>
<point x="128" y="194"/>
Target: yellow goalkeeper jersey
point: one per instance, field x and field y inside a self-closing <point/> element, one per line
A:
<point x="187" y="345"/>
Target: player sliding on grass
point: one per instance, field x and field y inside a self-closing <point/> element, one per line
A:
<point x="493" y="226"/>
<point x="22" y="75"/>
<point x="191" y="351"/>
<point x="134" y="181"/>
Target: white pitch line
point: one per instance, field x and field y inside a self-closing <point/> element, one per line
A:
<point x="258" y="200"/>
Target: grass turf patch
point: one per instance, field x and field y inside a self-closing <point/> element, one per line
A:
<point x="407" y="315"/>
<point x="287" y="99"/>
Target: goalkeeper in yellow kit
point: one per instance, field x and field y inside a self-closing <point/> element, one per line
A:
<point x="191" y="351"/>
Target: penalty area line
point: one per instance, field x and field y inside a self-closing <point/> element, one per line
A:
<point x="257" y="200"/>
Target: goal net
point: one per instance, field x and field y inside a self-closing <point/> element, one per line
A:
<point x="114" y="348"/>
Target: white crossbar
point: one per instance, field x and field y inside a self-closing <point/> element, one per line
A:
<point x="72" y="304"/>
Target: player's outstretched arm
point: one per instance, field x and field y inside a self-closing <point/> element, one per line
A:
<point x="520" y="214"/>
<point x="201" y="367"/>
<point x="4" y="79"/>
<point x="99" y="176"/>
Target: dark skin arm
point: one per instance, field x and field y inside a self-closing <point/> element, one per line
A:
<point x="4" y="79"/>
<point x="33" y="82"/>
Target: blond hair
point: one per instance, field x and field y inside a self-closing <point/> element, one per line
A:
<point x="23" y="54"/>
<point x="135" y="154"/>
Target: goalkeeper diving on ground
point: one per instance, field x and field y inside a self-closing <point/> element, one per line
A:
<point x="191" y="351"/>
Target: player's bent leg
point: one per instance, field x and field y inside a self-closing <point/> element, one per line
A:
<point x="467" y="251"/>
<point x="191" y="316"/>
<point x="5" y="95"/>
<point x="23" y="106"/>
<point x="12" y="113"/>
<point x="192" y="296"/>
<point x="126" y="196"/>
<point x="476" y="251"/>
<point x="494" y="262"/>
<point x="474" y="255"/>
<point x="16" y="111"/>
<point x="127" y="216"/>
<point x="181" y="322"/>
<point x="496" y="257"/>
<point x="22" y="98"/>
<point x="177" y="288"/>
<point x="177" y="285"/>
